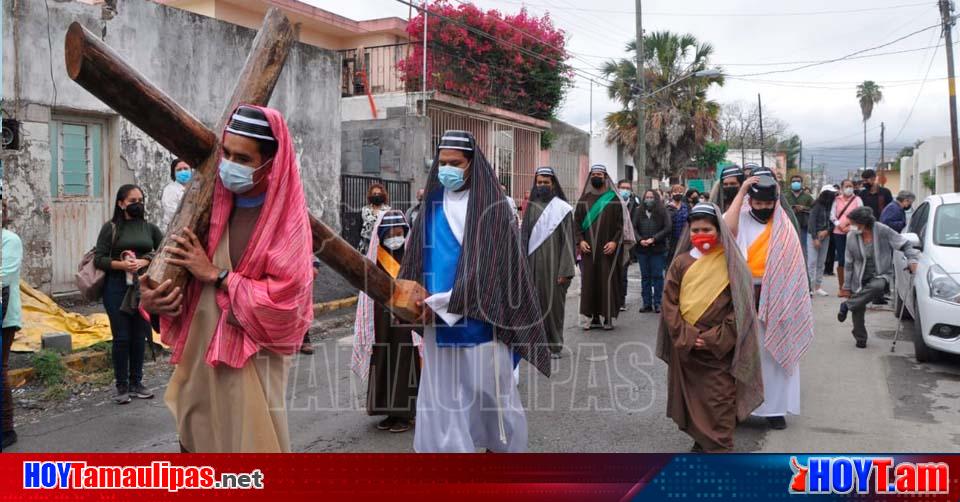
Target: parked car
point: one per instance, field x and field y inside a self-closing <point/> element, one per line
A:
<point x="932" y="295"/>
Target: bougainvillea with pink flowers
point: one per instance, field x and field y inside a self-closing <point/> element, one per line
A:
<point x="512" y="61"/>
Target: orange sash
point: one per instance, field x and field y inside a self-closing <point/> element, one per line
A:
<point x="389" y="263"/>
<point x="757" y="252"/>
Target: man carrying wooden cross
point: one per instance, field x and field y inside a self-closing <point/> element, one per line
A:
<point x="250" y="302"/>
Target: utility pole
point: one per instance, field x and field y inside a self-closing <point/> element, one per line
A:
<point x="945" y="13"/>
<point x="811" y="176"/>
<point x="883" y="129"/>
<point x="423" y="90"/>
<point x="800" y="161"/>
<point x="760" y="109"/>
<point x="641" y="159"/>
<point x="591" y="108"/>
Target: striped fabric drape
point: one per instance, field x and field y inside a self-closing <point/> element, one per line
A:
<point x="493" y="284"/>
<point x="271" y="289"/>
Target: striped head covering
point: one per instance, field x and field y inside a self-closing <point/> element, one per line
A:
<point x="271" y="289"/>
<point x="598" y="168"/>
<point x="250" y="122"/>
<point x="493" y="283"/>
<point x="746" y="354"/>
<point x="705" y="208"/>
<point x="392" y="219"/>
<point x="733" y="171"/>
<point x="457" y="140"/>
<point x="548" y="171"/>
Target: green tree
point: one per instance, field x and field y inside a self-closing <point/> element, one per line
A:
<point x="712" y="154"/>
<point x="869" y="94"/>
<point x="679" y="119"/>
<point x="791" y="146"/>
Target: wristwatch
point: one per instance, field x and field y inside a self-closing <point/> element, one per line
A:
<point x="221" y="277"/>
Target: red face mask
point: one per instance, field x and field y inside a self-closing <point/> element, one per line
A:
<point x="704" y="242"/>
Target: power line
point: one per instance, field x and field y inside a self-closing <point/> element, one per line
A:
<point x="728" y="14"/>
<point x="866" y="56"/>
<point x="835" y="60"/>
<point x="933" y="58"/>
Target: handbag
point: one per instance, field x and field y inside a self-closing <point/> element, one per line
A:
<point x="89" y="278"/>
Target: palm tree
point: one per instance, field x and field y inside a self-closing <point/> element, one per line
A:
<point x="680" y="119"/>
<point x="869" y="94"/>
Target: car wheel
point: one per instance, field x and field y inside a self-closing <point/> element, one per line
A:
<point x="923" y="352"/>
<point x="898" y="304"/>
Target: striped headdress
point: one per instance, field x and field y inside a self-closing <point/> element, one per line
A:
<point x="250" y="122"/>
<point x="493" y="284"/>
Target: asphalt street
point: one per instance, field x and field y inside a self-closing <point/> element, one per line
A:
<point x="607" y="394"/>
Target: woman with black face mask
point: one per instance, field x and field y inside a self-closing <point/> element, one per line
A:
<point x="125" y="247"/>
<point x="377" y="202"/>
<point x="652" y="226"/>
<point x="818" y="240"/>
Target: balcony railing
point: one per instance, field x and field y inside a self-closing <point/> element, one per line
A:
<point x="374" y="68"/>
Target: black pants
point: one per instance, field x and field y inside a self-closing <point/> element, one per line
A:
<point x="6" y="396"/>
<point x="130" y="332"/>
<point x="871" y="290"/>
<point x="831" y="256"/>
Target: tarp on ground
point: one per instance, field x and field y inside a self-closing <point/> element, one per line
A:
<point x="42" y="315"/>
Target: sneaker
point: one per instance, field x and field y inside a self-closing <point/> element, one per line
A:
<point x="645" y="309"/>
<point x="386" y="423"/>
<point x="821" y="292"/>
<point x="140" y="392"/>
<point x="8" y="439"/>
<point x="656" y="309"/>
<point x="400" y="426"/>
<point x="861" y="344"/>
<point x="777" y="423"/>
<point x="623" y="308"/>
<point x="122" y="397"/>
<point x="844" y="309"/>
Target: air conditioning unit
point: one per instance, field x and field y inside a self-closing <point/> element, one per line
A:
<point x="11" y="134"/>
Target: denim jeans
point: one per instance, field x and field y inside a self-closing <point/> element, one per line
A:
<point x="651" y="269"/>
<point x="816" y="258"/>
<point x="130" y="332"/>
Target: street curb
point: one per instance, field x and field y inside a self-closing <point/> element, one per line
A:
<point x="85" y="361"/>
<point x="320" y="308"/>
<point x="89" y="360"/>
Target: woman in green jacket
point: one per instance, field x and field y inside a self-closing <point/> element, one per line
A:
<point x="125" y="247"/>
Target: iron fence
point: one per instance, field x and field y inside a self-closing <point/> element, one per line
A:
<point x="353" y="196"/>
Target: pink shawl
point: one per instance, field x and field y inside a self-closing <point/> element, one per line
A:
<point x="785" y="313"/>
<point x="271" y="289"/>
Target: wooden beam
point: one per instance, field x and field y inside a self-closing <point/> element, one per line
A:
<point x="254" y="86"/>
<point x="101" y="71"/>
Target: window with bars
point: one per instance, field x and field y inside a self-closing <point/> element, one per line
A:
<point x="76" y="167"/>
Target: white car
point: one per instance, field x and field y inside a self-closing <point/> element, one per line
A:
<point x="933" y="294"/>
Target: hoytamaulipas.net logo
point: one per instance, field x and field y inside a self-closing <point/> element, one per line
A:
<point x="159" y="475"/>
<point x="878" y="475"/>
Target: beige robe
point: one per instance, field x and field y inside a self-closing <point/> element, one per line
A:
<point x="222" y="409"/>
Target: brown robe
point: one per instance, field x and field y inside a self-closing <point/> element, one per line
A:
<point x="701" y="391"/>
<point x="222" y="409"/>
<point x="600" y="294"/>
<point x="394" y="367"/>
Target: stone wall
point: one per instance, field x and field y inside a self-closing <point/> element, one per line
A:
<point x="194" y="59"/>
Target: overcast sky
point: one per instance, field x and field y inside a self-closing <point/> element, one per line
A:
<point x="818" y="103"/>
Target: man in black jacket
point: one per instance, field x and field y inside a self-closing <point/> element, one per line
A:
<point x="874" y="196"/>
<point x="652" y="225"/>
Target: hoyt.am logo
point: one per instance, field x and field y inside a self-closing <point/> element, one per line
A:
<point x="879" y="475"/>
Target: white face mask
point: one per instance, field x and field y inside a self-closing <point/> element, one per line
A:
<point x="237" y="178"/>
<point x="855" y="229"/>
<point x="393" y="243"/>
<point x="848" y="191"/>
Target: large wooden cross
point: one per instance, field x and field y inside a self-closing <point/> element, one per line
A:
<point x="101" y="71"/>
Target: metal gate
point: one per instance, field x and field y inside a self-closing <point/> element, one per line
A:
<point x="353" y="196"/>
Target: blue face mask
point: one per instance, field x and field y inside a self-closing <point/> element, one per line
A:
<point x="237" y="178"/>
<point x="796" y="186"/>
<point x="625" y="194"/>
<point x="451" y="177"/>
<point x="183" y="177"/>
